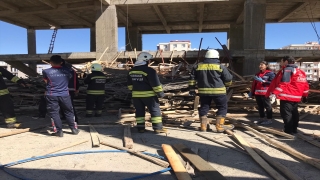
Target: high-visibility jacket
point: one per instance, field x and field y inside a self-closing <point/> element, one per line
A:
<point x="259" y="88"/>
<point x="143" y="81"/>
<point x="96" y="83"/>
<point x="3" y="87"/>
<point x="211" y="77"/>
<point x="291" y="84"/>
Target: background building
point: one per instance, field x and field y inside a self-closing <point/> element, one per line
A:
<point x="307" y="46"/>
<point x="176" y="45"/>
<point x="14" y="71"/>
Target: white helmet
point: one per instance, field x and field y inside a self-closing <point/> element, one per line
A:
<point x="96" y="67"/>
<point x="144" y="56"/>
<point x="211" y="53"/>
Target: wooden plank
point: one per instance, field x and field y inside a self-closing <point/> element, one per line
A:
<point x="94" y="137"/>
<point x="273" y="173"/>
<point x="65" y="147"/>
<point x="309" y="140"/>
<point x="175" y="163"/>
<point x="229" y="95"/>
<point x="149" y="158"/>
<point x="205" y="168"/>
<point x="127" y="139"/>
<point x="313" y="161"/>
<point x="19" y="131"/>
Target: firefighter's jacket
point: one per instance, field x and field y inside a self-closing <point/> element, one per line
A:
<point x="3" y="87"/>
<point x="96" y="83"/>
<point x="143" y="81"/>
<point x="290" y="85"/>
<point x="210" y="77"/>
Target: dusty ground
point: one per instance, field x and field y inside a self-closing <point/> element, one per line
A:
<point x="231" y="164"/>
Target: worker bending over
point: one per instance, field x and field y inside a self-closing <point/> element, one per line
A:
<point x="145" y="85"/>
<point x="96" y="90"/>
<point x="6" y="103"/>
<point x="212" y="78"/>
<point x="57" y="95"/>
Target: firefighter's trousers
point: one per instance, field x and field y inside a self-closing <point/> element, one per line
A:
<point x="153" y="106"/>
<point x="219" y="100"/>
<point x="7" y="108"/>
<point x="94" y="101"/>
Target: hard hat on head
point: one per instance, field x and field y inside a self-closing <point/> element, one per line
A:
<point x="212" y="53"/>
<point x="96" y="67"/>
<point x="144" y="56"/>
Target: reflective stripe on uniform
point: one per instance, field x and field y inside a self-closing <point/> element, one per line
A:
<point x="192" y="82"/>
<point x="10" y="120"/>
<point x="228" y="83"/>
<point x="208" y="67"/>
<point x="305" y="91"/>
<point x="143" y="93"/>
<point x="290" y="96"/>
<point x="157" y="89"/>
<point x="212" y="90"/>
<point x="156" y="119"/>
<point x="15" y="79"/>
<point x="96" y="92"/>
<point x="140" y="119"/>
<point x="89" y="111"/>
<point x="99" y="77"/>
<point x="279" y="89"/>
<point x="260" y="90"/>
<point x="138" y="72"/>
<point x="72" y="89"/>
<point x="4" y="92"/>
<point x="130" y="87"/>
<point x="98" y="111"/>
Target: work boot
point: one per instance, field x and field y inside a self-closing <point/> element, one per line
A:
<point x="163" y="130"/>
<point x="13" y="125"/>
<point x="58" y="133"/>
<point x="203" y="123"/>
<point x="75" y="131"/>
<point x="220" y="126"/>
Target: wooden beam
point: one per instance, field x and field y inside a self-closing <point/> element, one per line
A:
<point x="62" y="7"/>
<point x="14" y="22"/>
<point x="49" y="3"/>
<point x="23" y="68"/>
<point x="294" y="9"/>
<point x="203" y="166"/>
<point x="125" y="2"/>
<point x="163" y="20"/>
<point x="127" y="139"/>
<point x="240" y="17"/>
<point x="105" y="2"/>
<point x="80" y="19"/>
<point x="123" y="18"/>
<point x="94" y="137"/>
<point x="201" y="12"/>
<point x="9" y="6"/>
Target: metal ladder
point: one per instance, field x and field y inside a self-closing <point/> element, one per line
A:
<point x="52" y="41"/>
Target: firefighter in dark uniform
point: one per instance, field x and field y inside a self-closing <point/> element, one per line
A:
<point x="96" y="90"/>
<point x="212" y="78"/>
<point x="6" y="105"/>
<point x="144" y="83"/>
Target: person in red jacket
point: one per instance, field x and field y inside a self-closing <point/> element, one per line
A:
<point x="259" y="89"/>
<point x="290" y="86"/>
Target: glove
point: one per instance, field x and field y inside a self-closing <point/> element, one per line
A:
<point x="304" y="100"/>
<point x="272" y="98"/>
<point x="192" y="93"/>
<point x="259" y="79"/>
<point x="160" y="94"/>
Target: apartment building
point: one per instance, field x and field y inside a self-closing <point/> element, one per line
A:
<point x="307" y="46"/>
<point x="177" y="45"/>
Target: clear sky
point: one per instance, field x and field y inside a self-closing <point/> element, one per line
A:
<point x="13" y="39"/>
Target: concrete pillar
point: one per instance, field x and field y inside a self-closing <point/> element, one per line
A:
<point x="235" y="42"/>
<point x="133" y="39"/>
<point x="32" y="47"/>
<point x="254" y="34"/>
<point x="93" y="39"/>
<point x="107" y="32"/>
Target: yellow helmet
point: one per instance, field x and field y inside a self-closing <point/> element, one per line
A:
<point x="96" y="67"/>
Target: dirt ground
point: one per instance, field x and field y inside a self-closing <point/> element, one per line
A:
<point x="231" y="164"/>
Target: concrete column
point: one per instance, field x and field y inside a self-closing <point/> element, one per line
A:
<point x="93" y="39"/>
<point x="32" y="47"/>
<point x="133" y="38"/>
<point x="107" y="32"/>
<point x="254" y="34"/>
<point x="235" y="42"/>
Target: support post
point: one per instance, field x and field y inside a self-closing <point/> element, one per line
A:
<point x="32" y="47"/>
<point x="133" y="39"/>
<point x="107" y="32"/>
<point x="93" y="39"/>
<point x="254" y="34"/>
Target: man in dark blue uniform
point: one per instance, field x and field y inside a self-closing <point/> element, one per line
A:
<point x="144" y="83"/>
<point x="57" y="95"/>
